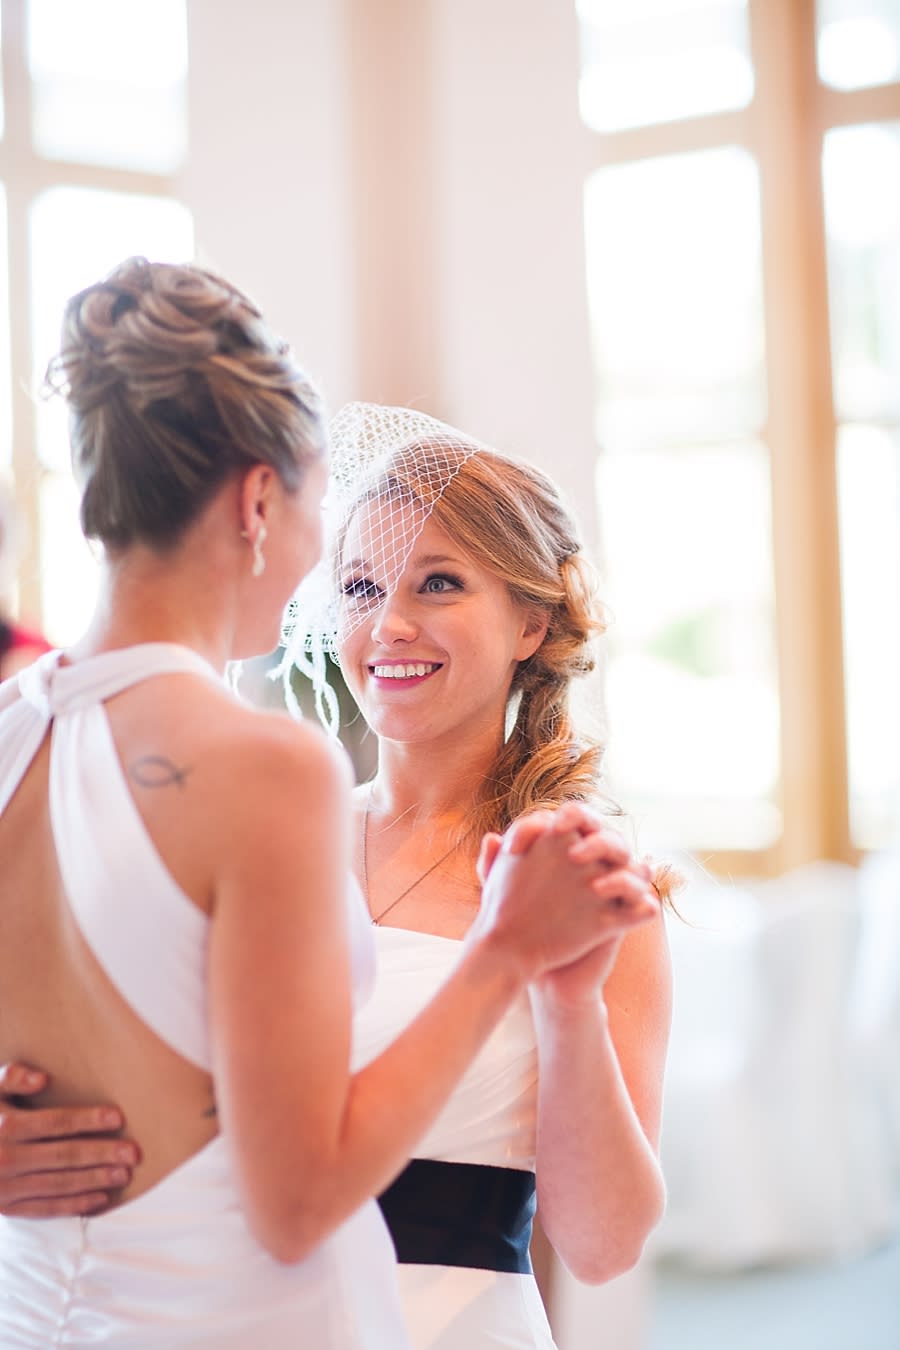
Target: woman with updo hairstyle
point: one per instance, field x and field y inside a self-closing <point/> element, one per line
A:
<point x="182" y="936"/>
<point x="463" y="611"/>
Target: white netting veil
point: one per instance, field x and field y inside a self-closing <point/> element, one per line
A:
<point x="389" y="468"/>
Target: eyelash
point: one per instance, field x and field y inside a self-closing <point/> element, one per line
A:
<point x="455" y="582"/>
<point x="362" y="589"/>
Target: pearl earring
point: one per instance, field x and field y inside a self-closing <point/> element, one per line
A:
<point x="259" y="561"/>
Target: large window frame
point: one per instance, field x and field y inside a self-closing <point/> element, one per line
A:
<point x="25" y="174"/>
<point x="784" y="128"/>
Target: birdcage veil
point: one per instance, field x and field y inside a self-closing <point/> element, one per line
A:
<point x="389" y="469"/>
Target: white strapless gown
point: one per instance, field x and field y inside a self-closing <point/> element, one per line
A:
<point x="489" y="1120"/>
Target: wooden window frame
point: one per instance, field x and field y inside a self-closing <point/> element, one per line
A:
<point x="784" y="128"/>
<point x="24" y="175"/>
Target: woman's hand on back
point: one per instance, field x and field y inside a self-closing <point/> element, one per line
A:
<point x="57" y="1161"/>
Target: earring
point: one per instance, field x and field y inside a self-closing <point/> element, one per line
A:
<point x="259" y="562"/>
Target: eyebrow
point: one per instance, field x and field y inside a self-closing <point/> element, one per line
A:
<point x="424" y="560"/>
<point x="434" y="559"/>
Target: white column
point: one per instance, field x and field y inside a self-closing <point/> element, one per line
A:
<point x="268" y="177"/>
<point x="511" y="151"/>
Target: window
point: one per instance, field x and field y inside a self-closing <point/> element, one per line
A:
<point x="93" y="135"/>
<point x="742" y="225"/>
<point x="862" y="221"/>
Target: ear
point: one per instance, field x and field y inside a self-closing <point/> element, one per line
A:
<point x="534" y="630"/>
<point x="255" y="498"/>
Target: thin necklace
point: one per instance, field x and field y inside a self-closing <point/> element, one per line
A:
<point x="376" y="918"/>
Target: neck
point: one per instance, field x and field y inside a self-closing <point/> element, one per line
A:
<point x="143" y="598"/>
<point x="430" y="781"/>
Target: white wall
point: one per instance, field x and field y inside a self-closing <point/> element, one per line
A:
<point x="399" y="184"/>
<point x="512" y="311"/>
<point x="267" y="177"/>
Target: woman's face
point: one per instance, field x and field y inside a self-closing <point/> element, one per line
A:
<point x="431" y="650"/>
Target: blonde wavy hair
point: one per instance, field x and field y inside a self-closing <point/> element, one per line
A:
<point x="509" y="517"/>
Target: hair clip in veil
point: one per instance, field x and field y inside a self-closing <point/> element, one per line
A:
<point x="389" y="469"/>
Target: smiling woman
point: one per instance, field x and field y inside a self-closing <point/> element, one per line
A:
<point x="432" y="527"/>
<point x="461" y="610"/>
<point x="444" y="617"/>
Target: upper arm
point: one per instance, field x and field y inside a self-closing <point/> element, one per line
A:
<point x="638" y="996"/>
<point x="279" y="976"/>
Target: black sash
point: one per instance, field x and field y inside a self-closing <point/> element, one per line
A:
<point x="461" y="1214"/>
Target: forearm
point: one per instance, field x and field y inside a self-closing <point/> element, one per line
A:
<point x="600" y="1187"/>
<point x="395" y="1098"/>
<point x="334" y="1139"/>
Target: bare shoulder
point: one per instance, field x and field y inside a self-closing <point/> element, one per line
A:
<point x="273" y="749"/>
<point x="278" y="806"/>
<point x="227" y="757"/>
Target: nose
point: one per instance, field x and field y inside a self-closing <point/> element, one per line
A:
<point x="393" y="622"/>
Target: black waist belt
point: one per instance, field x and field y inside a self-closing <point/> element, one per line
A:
<point x="461" y="1214"/>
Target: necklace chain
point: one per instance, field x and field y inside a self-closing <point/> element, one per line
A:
<point x="376" y="918"/>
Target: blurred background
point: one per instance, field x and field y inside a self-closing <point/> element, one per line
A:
<point x="653" y="246"/>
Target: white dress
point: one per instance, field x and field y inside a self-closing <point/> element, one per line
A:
<point x="461" y="1230"/>
<point x="177" y="1266"/>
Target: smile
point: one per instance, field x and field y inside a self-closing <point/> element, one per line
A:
<point x="408" y="670"/>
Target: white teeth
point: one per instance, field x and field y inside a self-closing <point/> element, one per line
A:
<point x="405" y="672"/>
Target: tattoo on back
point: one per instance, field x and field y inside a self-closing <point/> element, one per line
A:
<point x="154" y="771"/>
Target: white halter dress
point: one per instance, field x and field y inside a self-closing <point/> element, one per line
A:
<point x="177" y="1266"/>
<point x="460" y="1214"/>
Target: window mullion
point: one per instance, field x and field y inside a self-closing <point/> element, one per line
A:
<point x="668" y="138"/>
<point x="801" y="432"/>
<point x="16" y="83"/>
<point x="39" y="174"/>
<point x="842" y="107"/>
<point x="26" y="468"/>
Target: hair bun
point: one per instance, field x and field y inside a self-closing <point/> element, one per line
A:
<point x="173" y="380"/>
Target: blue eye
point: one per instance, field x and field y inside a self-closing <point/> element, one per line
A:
<point x="438" y="584"/>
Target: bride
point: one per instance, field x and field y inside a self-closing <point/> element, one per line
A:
<point x="181" y="935"/>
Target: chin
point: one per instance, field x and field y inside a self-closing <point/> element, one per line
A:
<point x="401" y="729"/>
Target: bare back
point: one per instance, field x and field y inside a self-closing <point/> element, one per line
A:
<point x="60" y="1008"/>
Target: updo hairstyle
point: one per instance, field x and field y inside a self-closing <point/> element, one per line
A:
<point x="174" y="382"/>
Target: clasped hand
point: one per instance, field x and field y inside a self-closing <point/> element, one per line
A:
<point x="620" y="883"/>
